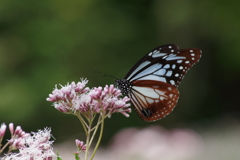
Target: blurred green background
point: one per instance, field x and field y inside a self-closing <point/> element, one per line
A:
<point x="47" y="42"/>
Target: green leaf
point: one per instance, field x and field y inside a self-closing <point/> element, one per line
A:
<point x="58" y="156"/>
<point x="76" y="156"/>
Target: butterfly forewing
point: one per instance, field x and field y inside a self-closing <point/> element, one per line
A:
<point x="153" y="100"/>
<point x="165" y="63"/>
<point x="152" y="82"/>
<point x="145" y="59"/>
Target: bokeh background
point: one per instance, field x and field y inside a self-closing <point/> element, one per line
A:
<point x="47" y="42"/>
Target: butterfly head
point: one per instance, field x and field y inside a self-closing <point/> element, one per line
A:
<point x="124" y="85"/>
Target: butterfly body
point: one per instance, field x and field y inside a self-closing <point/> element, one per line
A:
<point x="152" y="82"/>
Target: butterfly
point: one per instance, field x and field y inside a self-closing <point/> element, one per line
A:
<point x="151" y="84"/>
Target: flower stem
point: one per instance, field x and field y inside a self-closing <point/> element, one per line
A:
<point x="99" y="138"/>
<point x="4" y="147"/>
<point x="95" y="130"/>
<point x="88" y="135"/>
<point x="84" y="124"/>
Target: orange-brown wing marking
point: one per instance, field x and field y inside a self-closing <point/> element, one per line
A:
<point x="153" y="100"/>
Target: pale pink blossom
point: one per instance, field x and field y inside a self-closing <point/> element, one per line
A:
<point x="75" y="98"/>
<point x="68" y="92"/>
<point x="80" y="145"/>
<point x="2" y="131"/>
<point x="11" y="128"/>
<point x="35" y="146"/>
<point x="18" y="135"/>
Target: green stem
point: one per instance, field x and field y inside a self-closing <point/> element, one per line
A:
<point x="99" y="138"/>
<point x="84" y="124"/>
<point x="95" y="130"/>
<point x="88" y="135"/>
<point x="4" y="147"/>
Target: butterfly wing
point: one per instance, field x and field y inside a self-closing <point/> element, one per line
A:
<point x="165" y="63"/>
<point x="152" y="82"/>
<point x="153" y="100"/>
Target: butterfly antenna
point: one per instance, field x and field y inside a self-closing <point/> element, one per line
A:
<point x="105" y="75"/>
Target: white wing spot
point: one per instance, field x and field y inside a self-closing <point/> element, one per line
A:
<point x="162" y="112"/>
<point x="161" y="72"/>
<point x="167" y="66"/>
<point x="149" y="100"/>
<point x="169" y="46"/>
<point x="192" y="54"/>
<point x="180" y="67"/>
<point x="169" y="88"/>
<point x="179" y="61"/>
<point x="193" y="58"/>
<point x="173" y="66"/>
<point x="169" y="74"/>
<point x="157" y="53"/>
<point x="191" y="50"/>
<point x="176" y="75"/>
<point x="187" y="62"/>
<point x="174" y="57"/>
<point x="161" y="93"/>
<point x="162" y="98"/>
<point x="172" y="82"/>
<point x="172" y="50"/>
<point x="171" y="95"/>
<point x="150" y="54"/>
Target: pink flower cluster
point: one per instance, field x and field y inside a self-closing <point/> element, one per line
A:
<point x="76" y="98"/>
<point x="35" y="146"/>
<point x="64" y="97"/>
<point x="80" y="145"/>
<point x="17" y="136"/>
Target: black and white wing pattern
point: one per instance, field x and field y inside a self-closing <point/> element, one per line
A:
<point x="152" y="82"/>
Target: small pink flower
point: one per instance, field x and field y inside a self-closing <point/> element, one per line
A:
<point x="2" y="131"/>
<point x="112" y="90"/>
<point x="80" y="145"/>
<point x="11" y="128"/>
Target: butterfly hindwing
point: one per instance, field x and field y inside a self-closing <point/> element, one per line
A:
<point x="153" y="100"/>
